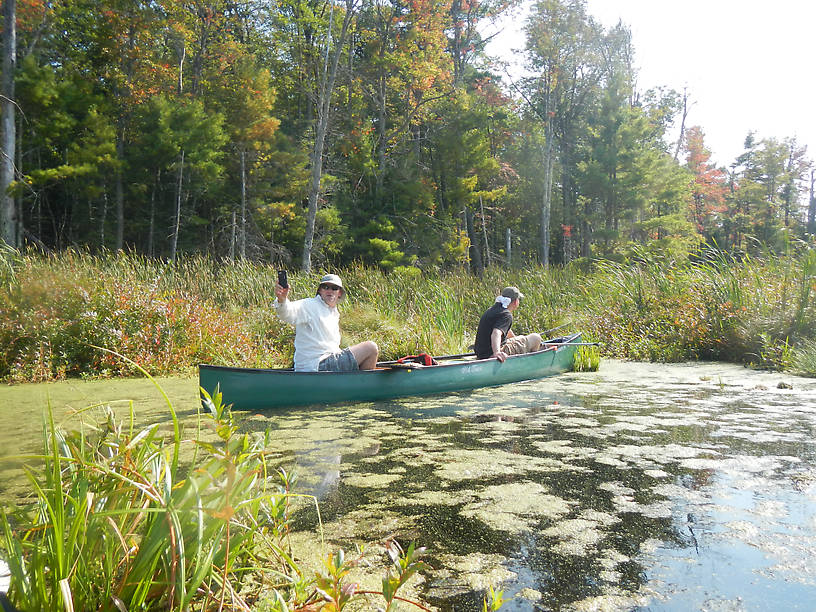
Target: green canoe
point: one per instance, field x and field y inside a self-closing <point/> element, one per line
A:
<point x="259" y="389"/>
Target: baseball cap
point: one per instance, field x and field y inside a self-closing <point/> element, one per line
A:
<point x="512" y="292"/>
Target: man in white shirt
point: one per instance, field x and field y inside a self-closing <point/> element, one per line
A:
<point x="317" y="330"/>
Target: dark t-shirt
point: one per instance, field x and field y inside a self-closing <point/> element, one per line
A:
<point x="495" y="317"/>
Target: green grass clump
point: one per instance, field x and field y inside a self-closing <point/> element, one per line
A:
<point x="803" y="359"/>
<point x="586" y="359"/>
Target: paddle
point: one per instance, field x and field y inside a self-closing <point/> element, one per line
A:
<point x="547" y="331"/>
<point x="398" y="364"/>
<point x="395" y="365"/>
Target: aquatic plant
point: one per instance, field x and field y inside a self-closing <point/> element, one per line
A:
<point x="803" y="358"/>
<point x="118" y="521"/>
<point x="126" y="519"/>
<point x="494" y="600"/>
<point x="586" y="359"/>
<point x="337" y="592"/>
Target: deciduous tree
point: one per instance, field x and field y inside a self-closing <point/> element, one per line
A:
<point x="325" y="90"/>
<point x="707" y="204"/>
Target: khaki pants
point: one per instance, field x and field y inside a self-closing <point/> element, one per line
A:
<point x="517" y="345"/>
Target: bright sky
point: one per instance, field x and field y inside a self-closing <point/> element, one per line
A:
<point x="747" y="65"/>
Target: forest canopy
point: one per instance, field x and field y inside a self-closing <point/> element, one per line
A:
<point x="310" y="132"/>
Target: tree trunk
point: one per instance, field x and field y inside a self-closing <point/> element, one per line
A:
<point x="460" y="39"/>
<point x="586" y="236"/>
<point x="314" y="189"/>
<point x="178" y="209"/>
<point x="152" y="225"/>
<point x="243" y="206"/>
<point x="102" y="220"/>
<point x="567" y="199"/>
<point x="120" y="192"/>
<point x="181" y="48"/>
<point x="484" y="231"/>
<point x="326" y="88"/>
<point x="18" y="169"/>
<point x="682" y="125"/>
<point x="232" y="238"/>
<point x="546" y="197"/>
<point x="476" y="263"/>
<point x="124" y="96"/>
<point x="350" y="88"/>
<point x="811" y="224"/>
<point x="8" y="208"/>
<point x="381" y="135"/>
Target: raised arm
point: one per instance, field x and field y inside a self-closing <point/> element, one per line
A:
<point x="286" y="308"/>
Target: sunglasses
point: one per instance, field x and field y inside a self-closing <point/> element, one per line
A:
<point x="330" y="287"/>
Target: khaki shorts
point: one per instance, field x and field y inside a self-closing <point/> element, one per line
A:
<point x="517" y="345"/>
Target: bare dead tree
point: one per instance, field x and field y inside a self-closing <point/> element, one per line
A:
<point x="8" y="207"/>
<point x="327" y="79"/>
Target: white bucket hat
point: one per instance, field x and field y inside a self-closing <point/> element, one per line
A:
<point x="333" y="279"/>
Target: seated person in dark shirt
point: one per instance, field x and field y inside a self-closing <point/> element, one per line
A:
<point x="494" y="338"/>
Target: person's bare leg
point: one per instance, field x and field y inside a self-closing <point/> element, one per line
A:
<point x="533" y="342"/>
<point x="366" y="354"/>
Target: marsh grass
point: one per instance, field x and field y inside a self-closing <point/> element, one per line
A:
<point x="587" y="359"/>
<point x="9" y="260"/>
<point x="803" y="358"/>
<point x="118" y="523"/>
<point x="761" y="307"/>
<point x="167" y="318"/>
<point x="58" y="307"/>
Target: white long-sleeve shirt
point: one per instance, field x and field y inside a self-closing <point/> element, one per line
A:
<point x="317" y="330"/>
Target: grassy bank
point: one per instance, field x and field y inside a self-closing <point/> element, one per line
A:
<point x="55" y="310"/>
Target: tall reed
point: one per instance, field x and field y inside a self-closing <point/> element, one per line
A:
<point x="118" y="523"/>
<point x="167" y="318"/>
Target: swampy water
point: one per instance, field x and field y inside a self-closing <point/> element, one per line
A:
<point x="637" y="487"/>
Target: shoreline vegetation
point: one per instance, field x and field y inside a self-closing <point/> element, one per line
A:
<point x="127" y="519"/>
<point x="55" y="311"/>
